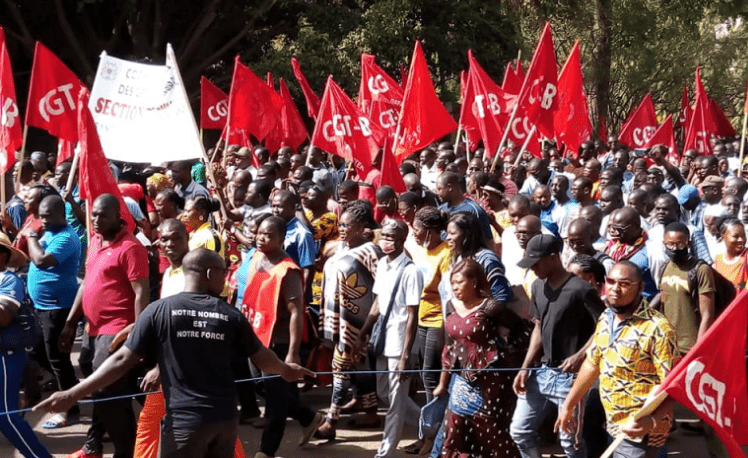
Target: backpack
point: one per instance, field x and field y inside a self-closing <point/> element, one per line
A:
<point x="724" y="293"/>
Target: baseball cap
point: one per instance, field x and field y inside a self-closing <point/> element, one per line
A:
<point x="712" y="180"/>
<point x="538" y="247"/>
<point x="687" y="192"/>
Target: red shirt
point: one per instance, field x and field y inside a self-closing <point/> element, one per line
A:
<point x="108" y="297"/>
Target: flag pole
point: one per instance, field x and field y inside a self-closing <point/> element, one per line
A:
<point x="17" y="184"/>
<point x="742" y="143"/>
<point x="467" y="148"/>
<point x="524" y="145"/>
<point x="73" y="170"/>
<point x="504" y="137"/>
<point x="650" y="405"/>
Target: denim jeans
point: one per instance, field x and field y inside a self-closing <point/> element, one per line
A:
<point x="631" y="449"/>
<point x="429" y="344"/>
<point x="547" y="389"/>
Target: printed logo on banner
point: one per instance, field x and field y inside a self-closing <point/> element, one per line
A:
<point x="109" y="71"/>
<point x="706" y="393"/>
<point x="9" y="114"/>
<point x="53" y="102"/>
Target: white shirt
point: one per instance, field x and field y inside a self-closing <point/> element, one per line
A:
<point x="408" y="294"/>
<point x="172" y="282"/>
<point x="511" y="253"/>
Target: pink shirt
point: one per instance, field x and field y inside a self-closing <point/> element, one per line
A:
<point x="108" y="297"/>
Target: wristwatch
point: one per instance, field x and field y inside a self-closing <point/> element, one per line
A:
<point x="33" y="235"/>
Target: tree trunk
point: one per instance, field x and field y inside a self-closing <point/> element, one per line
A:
<point x="601" y="58"/>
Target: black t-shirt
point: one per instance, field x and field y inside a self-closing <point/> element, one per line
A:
<point x="193" y="337"/>
<point x="568" y="317"/>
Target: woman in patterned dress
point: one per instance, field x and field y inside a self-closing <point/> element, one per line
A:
<point x="481" y="334"/>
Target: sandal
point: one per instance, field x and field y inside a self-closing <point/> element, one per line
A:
<point x="59" y="421"/>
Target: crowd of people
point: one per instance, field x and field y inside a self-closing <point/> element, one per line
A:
<point x="516" y="285"/>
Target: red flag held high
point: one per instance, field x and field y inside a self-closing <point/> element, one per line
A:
<point x="390" y="171"/>
<point x="724" y="126"/>
<point x="571" y="120"/>
<point x="702" y="124"/>
<point x="711" y="381"/>
<point x="684" y="116"/>
<point x="665" y="136"/>
<point x="423" y="118"/>
<point x="343" y="129"/>
<point x="52" y="96"/>
<point x="95" y="176"/>
<point x="294" y="129"/>
<point x="312" y="101"/>
<point x="214" y="105"/>
<point x="512" y="83"/>
<point x="539" y="95"/>
<point x="65" y="150"/>
<point x="11" y="136"/>
<point x="640" y="125"/>
<point x="485" y="106"/>
<point x="379" y="95"/>
<point x="253" y="107"/>
<point x="470" y="128"/>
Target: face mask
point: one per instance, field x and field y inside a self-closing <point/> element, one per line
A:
<point x="387" y="246"/>
<point x="677" y="256"/>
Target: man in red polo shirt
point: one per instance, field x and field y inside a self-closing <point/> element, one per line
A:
<point x="113" y="295"/>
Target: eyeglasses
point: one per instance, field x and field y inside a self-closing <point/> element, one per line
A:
<point x="611" y="283"/>
<point x="676" y="246"/>
<point x="618" y="229"/>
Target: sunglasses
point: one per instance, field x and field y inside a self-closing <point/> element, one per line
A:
<point x="611" y="283"/>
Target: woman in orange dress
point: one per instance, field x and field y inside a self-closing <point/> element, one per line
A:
<point x="733" y="262"/>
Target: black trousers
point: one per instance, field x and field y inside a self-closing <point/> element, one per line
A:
<point x="209" y="440"/>
<point x="52" y="322"/>
<point x="115" y="417"/>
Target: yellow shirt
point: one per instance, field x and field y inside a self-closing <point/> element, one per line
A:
<point x="433" y="264"/>
<point x="207" y="237"/>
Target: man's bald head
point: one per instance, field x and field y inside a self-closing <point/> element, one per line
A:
<point x="527" y="228"/>
<point x="200" y="260"/>
<point x="580" y="228"/>
<point x="173" y="225"/>
<point x="412" y="182"/>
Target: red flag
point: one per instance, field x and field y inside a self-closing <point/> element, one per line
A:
<point x="665" y="136"/>
<point x="52" y="95"/>
<point x="214" y="105"/>
<point x="312" y="101"/>
<point x="702" y="124"/>
<point x="470" y="128"/>
<point x="640" y="125"/>
<point x="603" y="129"/>
<point x="11" y="136"/>
<point x="253" y="106"/>
<point x="95" y="176"/>
<point x="292" y="131"/>
<point x="486" y="106"/>
<point x="518" y="131"/>
<point x="403" y="77"/>
<point x="572" y="120"/>
<point x="269" y="79"/>
<point x="343" y="129"/>
<point x="685" y="109"/>
<point x="711" y="380"/>
<point x="512" y="83"/>
<point x="65" y="150"/>
<point x="423" y="118"/>
<point x="379" y="95"/>
<point x="724" y="126"/>
<point x="538" y="97"/>
<point x="390" y="171"/>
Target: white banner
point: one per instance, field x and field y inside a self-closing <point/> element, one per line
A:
<point x="142" y="113"/>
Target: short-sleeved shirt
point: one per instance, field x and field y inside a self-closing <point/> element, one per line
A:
<point x="172" y="282"/>
<point x="55" y="287"/>
<point x="299" y="243"/>
<point x="194" y="337"/>
<point x="433" y="264"/>
<point x="567" y="316"/>
<point x="13" y="289"/>
<point x="633" y="357"/>
<point x="108" y="297"/>
<point x="408" y="294"/>
<point x="470" y="206"/>
<point x="207" y="237"/>
<point x="191" y="190"/>
<point x="678" y="300"/>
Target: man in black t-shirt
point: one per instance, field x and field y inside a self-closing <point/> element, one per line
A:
<point x="192" y="336"/>
<point x="565" y="309"/>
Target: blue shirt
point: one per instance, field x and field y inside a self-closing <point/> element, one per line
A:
<point x="55" y="287"/>
<point x="16" y="211"/>
<point x="469" y="206"/>
<point x="546" y="219"/>
<point x="241" y="277"/>
<point x="299" y="243"/>
<point x="12" y="287"/>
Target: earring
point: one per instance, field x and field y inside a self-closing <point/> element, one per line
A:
<point x="201" y="218"/>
